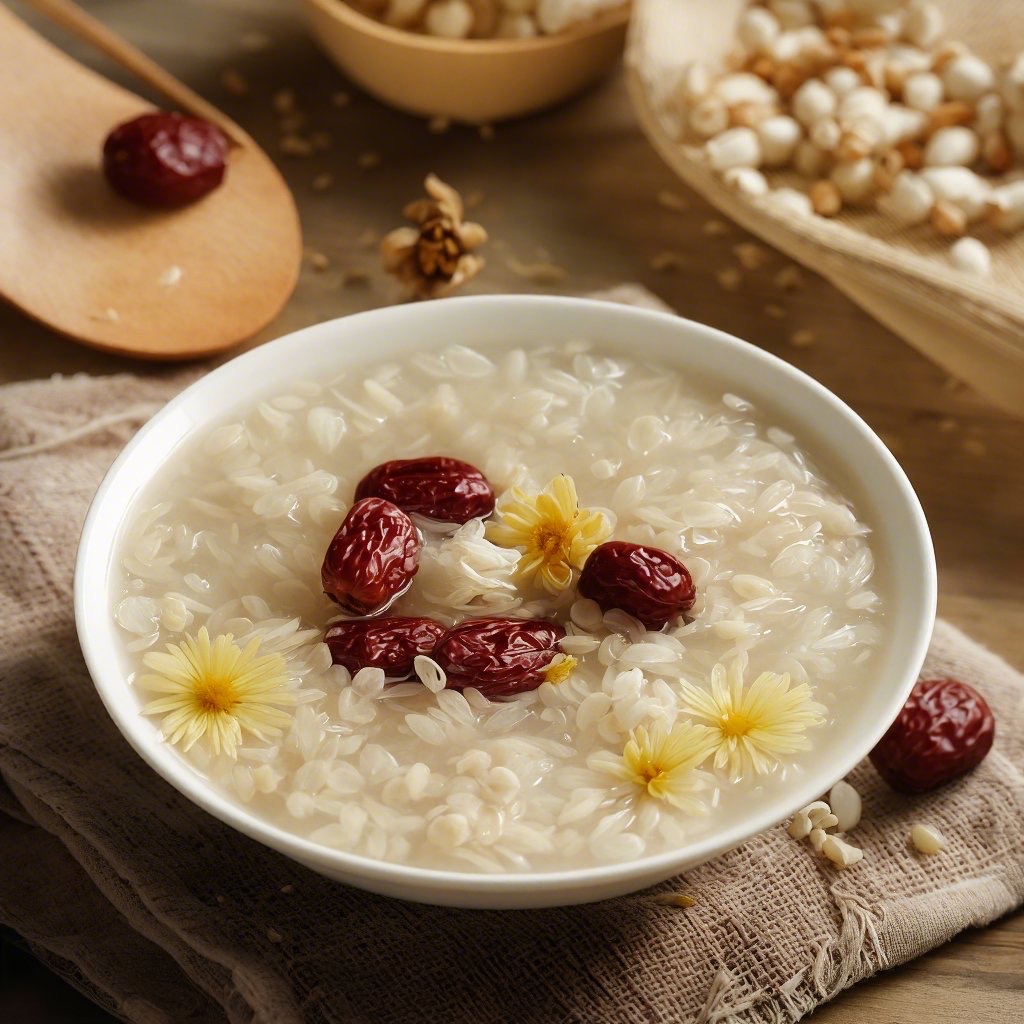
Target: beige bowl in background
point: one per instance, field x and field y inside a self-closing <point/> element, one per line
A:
<point x="472" y="80"/>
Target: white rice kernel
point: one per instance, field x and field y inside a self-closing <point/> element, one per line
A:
<point x="448" y="831"/>
<point x="841" y="853"/>
<point x="926" y="839"/>
<point x="737" y="147"/>
<point x="971" y="256"/>
<point x="846" y="806"/>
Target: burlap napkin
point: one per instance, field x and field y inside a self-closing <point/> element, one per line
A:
<point x="162" y="914"/>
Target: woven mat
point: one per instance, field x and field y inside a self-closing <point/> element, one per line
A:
<point x="164" y="916"/>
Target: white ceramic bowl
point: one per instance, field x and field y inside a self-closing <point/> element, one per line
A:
<point x="472" y="80"/>
<point x="843" y="446"/>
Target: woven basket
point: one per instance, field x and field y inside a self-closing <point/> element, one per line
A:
<point x="972" y="327"/>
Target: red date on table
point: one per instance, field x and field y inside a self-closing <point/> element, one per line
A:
<point x="945" y="729"/>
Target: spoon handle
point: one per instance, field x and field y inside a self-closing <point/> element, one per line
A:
<point x="71" y="17"/>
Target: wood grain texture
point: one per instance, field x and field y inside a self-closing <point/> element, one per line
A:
<point x="578" y="187"/>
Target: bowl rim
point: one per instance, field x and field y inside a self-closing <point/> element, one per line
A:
<point x="93" y="615"/>
<point x="340" y="10"/>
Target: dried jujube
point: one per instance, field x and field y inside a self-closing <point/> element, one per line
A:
<point x="945" y="729"/>
<point x="500" y="657"/>
<point x="391" y="644"/>
<point x="648" y="583"/>
<point x="437" y="487"/>
<point x="372" y="558"/>
<point x="165" y="159"/>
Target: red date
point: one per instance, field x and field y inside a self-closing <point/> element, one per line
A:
<point x="648" y="583"/>
<point x="437" y="487"/>
<point x="500" y="657"/>
<point x="391" y="644"/>
<point x="165" y="159"/>
<point x="944" y="730"/>
<point x="372" y="559"/>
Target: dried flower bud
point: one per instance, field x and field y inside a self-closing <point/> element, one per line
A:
<point x="438" y="255"/>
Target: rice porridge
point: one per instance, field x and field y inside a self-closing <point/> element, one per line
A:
<point x="619" y="739"/>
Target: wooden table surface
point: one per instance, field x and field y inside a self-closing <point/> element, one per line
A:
<point x="578" y="188"/>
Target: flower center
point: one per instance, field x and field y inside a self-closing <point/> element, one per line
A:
<point x="559" y="671"/>
<point x="549" y="539"/>
<point x="649" y="771"/>
<point x="735" y="724"/>
<point x="215" y="696"/>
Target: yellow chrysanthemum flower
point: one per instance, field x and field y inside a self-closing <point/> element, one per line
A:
<point x="560" y="669"/>
<point x="663" y="762"/>
<point x="553" y="533"/>
<point x="216" y="689"/>
<point x="753" y="727"/>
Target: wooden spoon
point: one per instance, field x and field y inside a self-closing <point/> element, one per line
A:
<point x="92" y="265"/>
